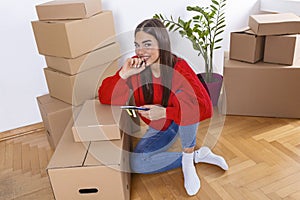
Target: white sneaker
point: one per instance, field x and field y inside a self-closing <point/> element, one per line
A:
<point x="205" y="155"/>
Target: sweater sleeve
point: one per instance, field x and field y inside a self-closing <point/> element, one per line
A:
<point x="190" y="102"/>
<point x="114" y="90"/>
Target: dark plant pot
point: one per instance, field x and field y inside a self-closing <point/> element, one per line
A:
<point x="214" y="87"/>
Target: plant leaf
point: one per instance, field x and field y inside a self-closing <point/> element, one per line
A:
<point x="215" y="2"/>
<point x="218" y="40"/>
<point x="171" y="27"/>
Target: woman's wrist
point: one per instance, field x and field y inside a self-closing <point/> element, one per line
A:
<point x="164" y="114"/>
<point x="122" y="75"/>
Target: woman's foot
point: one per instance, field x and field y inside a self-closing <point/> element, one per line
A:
<point x="205" y="155"/>
<point x="191" y="179"/>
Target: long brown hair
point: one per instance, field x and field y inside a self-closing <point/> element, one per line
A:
<point x="156" y="28"/>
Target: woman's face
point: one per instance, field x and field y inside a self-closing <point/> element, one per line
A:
<point x="146" y="47"/>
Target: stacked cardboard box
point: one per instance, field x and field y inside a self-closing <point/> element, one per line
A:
<point x="96" y="165"/>
<point x="261" y="74"/>
<point x="267" y="36"/>
<point x="77" y="39"/>
<point x="55" y="115"/>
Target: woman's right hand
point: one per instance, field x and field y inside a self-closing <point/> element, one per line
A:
<point x="132" y="66"/>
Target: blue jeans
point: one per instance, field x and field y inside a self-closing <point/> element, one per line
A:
<point x="150" y="154"/>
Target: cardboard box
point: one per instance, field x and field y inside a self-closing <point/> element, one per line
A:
<point x="275" y="24"/>
<point x="76" y="89"/>
<point x="90" y="170"/>
<point x="262" y="89"/>
<point x="95" y="58"/>
<point x="283" y="49"/>
<point x="70" y="9"/>
<point x="246" y="46"/>
<point x="97" y="122"/>
<point x="73" y="38"/>
<point x="55" y="115"/>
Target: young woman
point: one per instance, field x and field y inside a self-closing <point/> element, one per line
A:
<point x="176" y="99"/>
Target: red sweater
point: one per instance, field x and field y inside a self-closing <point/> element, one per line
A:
<point x="189" y="102"/>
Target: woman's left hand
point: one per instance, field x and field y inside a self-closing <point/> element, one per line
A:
<point x="156" y="112"/>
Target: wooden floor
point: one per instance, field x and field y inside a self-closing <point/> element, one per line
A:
<point x="263" y="156"/>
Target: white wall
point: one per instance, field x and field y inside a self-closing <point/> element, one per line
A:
<point x="281" y="6"/>
<point x="22" y="78"/>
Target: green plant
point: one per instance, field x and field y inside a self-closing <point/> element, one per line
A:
<point x="203" y="30"/>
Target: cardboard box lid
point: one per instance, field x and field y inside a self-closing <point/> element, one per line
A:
<point x="97" y="122"/>
<point x="273" y="24"/>
<point x="68" y="9"/>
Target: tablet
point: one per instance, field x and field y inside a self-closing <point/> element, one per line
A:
<point x="134" y="108"/>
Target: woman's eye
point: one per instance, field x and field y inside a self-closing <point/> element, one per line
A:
<point x="147" y="45"/>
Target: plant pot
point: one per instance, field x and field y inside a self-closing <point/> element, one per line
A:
<point x="214" y="87"/>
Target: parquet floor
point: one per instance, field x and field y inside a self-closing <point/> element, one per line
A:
<point x="263" y="156"/>
<point x="23" y="161"/>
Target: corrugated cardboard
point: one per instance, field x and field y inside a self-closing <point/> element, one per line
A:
<point x="97" y="122"/>
<point x="75" y="89"/>
<point x="283" y="49"/>
<point x="95" y="58"/>
<point x="55" y="115"/>
<point x="73" y="38"/>
<point x="90" y="170"/>
<point x="68" y="9"/>
<point x="246" y="46"/>
<point x="274" y="24"/>
<point x="262" y="89"/>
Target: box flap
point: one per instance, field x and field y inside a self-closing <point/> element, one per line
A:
<point x="246" y="30"/>
<point x="114" y="154"/>
<point x="68" y="153"/>
<point x="297" y="51"/>
<point x="243" y="29"/>
<point x="249" y="31"/>
<point x="104" y="153"/>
